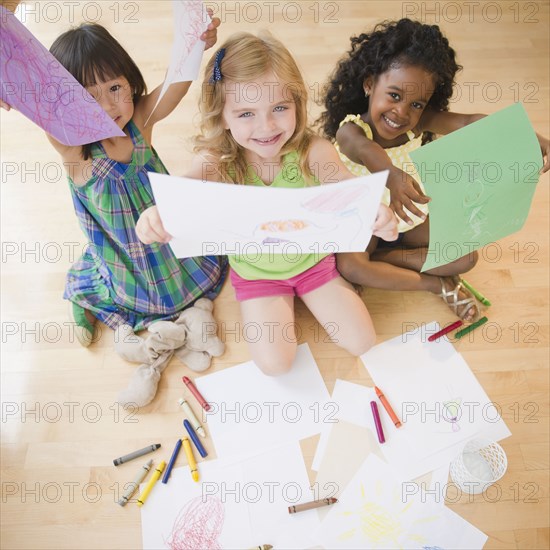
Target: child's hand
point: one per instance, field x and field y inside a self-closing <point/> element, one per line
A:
<point x="545" y="149"/>
<point x="149" y="228"/>
<point x="210" y="36"/>
<point x="4" y="105"/>
<point x="385" y="225"/>
<point x="404" y="189"/>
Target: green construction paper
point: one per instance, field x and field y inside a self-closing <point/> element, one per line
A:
<point x="481" y="180"/>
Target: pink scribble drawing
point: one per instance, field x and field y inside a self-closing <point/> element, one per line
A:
<point x="198" y="525"/>
<point x="336" y="200"/>
<point x="191" y="20"/>
<point x="37" y="85"/>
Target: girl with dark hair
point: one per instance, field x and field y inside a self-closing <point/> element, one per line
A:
<point x="399" y="78"/>
<point x="118" y="279"/>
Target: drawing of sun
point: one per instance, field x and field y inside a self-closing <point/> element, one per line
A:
<point x="384" y="527"/>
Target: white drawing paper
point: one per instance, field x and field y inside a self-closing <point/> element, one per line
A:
<point x="185" y="514"/>
<point x="237" y="504"/>
<point x="251" y="411"/>
<point x="219" y="218"/>
<point x="374" y="512"/>
<point x="433" y="391"/>
<point x="190" y="20"/>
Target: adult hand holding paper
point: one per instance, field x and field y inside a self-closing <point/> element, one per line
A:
<point x="481" y="180"/>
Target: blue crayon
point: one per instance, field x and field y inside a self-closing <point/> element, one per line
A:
<point x="194" y="438"/>
<point x="168" y="470"/>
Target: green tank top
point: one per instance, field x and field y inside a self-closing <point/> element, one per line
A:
<point x="252" y="265"/>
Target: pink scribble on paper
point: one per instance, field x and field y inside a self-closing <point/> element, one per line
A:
<point x="37" y="85"/>
<point x="198" y="525"/>
<point x="190" y="21"/>
<point x="335" y="200"/>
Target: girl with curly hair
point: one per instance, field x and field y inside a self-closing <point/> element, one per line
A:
<point x="399" y="78"/>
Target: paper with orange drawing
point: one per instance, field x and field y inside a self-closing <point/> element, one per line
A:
<point x="218" y="219"/>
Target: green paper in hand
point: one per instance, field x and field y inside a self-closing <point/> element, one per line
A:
<point x="481" y="179"/>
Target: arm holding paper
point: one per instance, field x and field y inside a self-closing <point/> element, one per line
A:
<point x="146" y="113"/>
<point x="325" y="164"/>
<point x="444" y="123"/>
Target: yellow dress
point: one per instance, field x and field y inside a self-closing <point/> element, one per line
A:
<point x="400" y="158"/>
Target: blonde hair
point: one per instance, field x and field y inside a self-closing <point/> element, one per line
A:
<point x="247" y="58"/>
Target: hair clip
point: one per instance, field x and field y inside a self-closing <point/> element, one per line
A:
<point x="217" y="72"/>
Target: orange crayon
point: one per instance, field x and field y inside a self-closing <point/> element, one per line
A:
<point x="388" y="408"/>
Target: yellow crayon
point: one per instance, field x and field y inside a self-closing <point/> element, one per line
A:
<point x="190" y="459"/>
<point x="156" y="474"/>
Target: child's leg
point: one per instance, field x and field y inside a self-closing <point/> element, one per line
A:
<point x="268" y="327"/>
<point x="399" y="269"/>
<point x="344" y="315"/>
<point x="412" y="254"/>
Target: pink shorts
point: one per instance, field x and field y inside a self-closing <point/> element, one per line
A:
<point x="311" y="279"/>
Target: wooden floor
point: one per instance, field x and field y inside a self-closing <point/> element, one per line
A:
<point x="61" y="427"/>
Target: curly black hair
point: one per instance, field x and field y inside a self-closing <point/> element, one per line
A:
<point x="390" y="44"/>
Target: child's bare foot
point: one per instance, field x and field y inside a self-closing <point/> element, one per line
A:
<point x="84" y="323"/>
<point x="458" y="298"/>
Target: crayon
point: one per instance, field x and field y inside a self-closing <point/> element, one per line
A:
<point x="156" y="474"/>
<point x="142" y="474"/>
<point x="377" y="423"/>
<point x="388" y="407"/>
<point x="311" y="505"/>
<point x="168" y="470"/>
<point x="471" y="327"/>
<point x="136" y="454"/>
<point x="445" y="330"/>
<point x="190" y="459"/>
<point x="194" y="438"/>
<point x="202" y="401"/>
<point x="191" y="415"/>
<point x="477" y="294"/>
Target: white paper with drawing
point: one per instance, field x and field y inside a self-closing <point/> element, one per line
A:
<point x="431" y="387"/>
<point x="374" y="511"/>
<point x="351" y="403"/>
<point x="235" y="505"/>
<point x="217" y="218"/>
<point x="251" y="411"/>
<point x="190" y="20"/>
<point x="185" y="514"/>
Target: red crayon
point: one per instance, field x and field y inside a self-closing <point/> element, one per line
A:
<point x="202" y="401"/>
<point x="387" y="406"/>
<point x="445" y="330"/>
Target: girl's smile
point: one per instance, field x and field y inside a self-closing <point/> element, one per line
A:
<point x="261" y="117"/>
<point x="397" y="99"/>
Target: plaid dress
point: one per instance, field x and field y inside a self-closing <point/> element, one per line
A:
<point x="118" y="278"/>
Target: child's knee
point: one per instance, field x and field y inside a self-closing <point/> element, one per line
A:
<point x="275" y="362"/>
<point x="274" y="367"/>
<point x="362" y="344"/>
<point x="351" y="266"/>
<point x="466" y="263"/>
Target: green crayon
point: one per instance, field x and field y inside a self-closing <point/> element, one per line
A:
<point x="477" y="294"/>
<point x="471" y="327"/>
